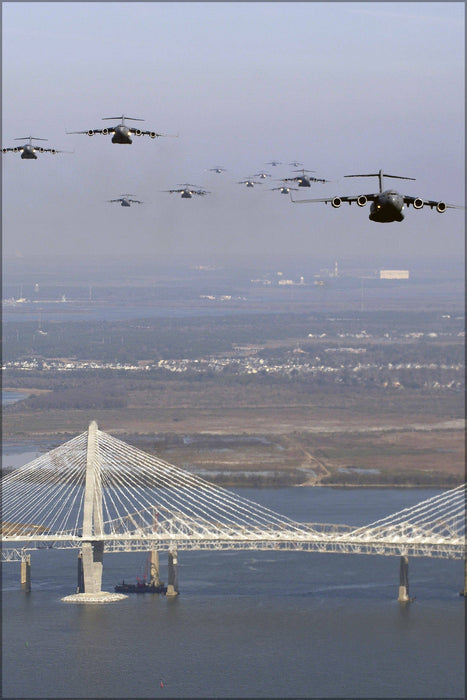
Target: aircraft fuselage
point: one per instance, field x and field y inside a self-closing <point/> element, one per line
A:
<point x="303" y="182"/>
<point x="125" y="203"/>
<point x="387" y="207"/>
<point x="121" y="135"/>
<point x="28" y="152"/>
<point x="186" y="194"/>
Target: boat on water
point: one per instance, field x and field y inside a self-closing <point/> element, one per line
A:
<point x="140" y="587"/>
<point x="154" y="585"/>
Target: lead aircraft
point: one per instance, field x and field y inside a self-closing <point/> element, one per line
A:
<point x="386" y="205"/>
<point x="121" y="133"/>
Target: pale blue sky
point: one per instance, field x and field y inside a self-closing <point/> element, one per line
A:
<point x="342" y="87"/>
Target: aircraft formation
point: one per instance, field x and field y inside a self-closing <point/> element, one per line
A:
<point x="386" y="205"/>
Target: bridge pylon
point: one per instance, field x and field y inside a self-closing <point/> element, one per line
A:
<point x="90" y="564"/>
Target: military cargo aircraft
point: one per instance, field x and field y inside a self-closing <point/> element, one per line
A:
<point x="304" y="180"/>
<point x="125" y="200"/>
<point x="249" y="182"/>
<point x="217" y="169"/>
<point x="187" y="191"/>
<point x="121" y="133"/>
<point x="386" y="205"/>
<point x="28" y="150"/>
<point x="283" y="189"/>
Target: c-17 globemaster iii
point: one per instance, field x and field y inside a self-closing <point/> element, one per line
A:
<point x="28" y="150"/>
<point x="386" y="205"/>
<point x="125" y="200"/>
<point x="121" y="132"/>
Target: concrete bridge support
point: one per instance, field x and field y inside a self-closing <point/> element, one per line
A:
<point x="154" y="575"/>
<point x="172" y="583"/>
<point x="92" y="552"/>
<point x="26" y="573"/>
<point x="404" y="580"/>
<point x="92" y="562"/>
<point x="80" y="584"/>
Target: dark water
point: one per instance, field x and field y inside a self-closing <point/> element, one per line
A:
<point x="246" y="624"/>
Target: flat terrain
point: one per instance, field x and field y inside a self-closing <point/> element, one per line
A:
<point x="274" y="438"/>
<point x="285" y="393"/>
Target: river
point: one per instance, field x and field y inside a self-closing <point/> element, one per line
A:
<point x="246" y="624"/>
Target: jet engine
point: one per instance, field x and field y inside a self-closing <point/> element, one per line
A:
<point x="40" y="149"/>
<point x="138" y="132"/>
<point x="417" y="203"/>
<point x="53" y="151"/>
<point x="105" y="131"/>
<point x="90" y="132"/>
<point x="16" y="149"/>
<point x="441" y="207"/>
<point x="4" y="150"/>
<point x="152" y="134"/>
<point x="362" y="200"/>
<point x="336" y="202"/>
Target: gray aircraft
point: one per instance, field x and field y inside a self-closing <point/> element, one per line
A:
<point x="386" y="205"/>
<point x="274" y="163"/>
<point x="304" y="180"/>
<point x="217" y="169"/>
<point x="187" y="191"/>
<point x="249" y="182"/>
<point x="125" y="200"/>
<point x="28" y="150"/>
<point x="121" y="133"/>
<point x="283" y="189"/>
<point x="262" y="175"/>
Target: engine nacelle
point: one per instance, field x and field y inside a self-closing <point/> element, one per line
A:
<point x="90" y="132"/>
<point x="40" y="149"/>
<point x="152" y="134"/>
<point x="16" y="149"/>
<point x="362" y="200"/>
<point x="441" y="207"/>
<point x="4" y="150"/>
<point x="105" y="131"/>
<point x="417" y="203"/>
<point x="336" y="202"/>
<point x="138" y="132"/>
<point x="53" y="151"/>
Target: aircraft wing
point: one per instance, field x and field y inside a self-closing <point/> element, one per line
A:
<point x="418" y="203"/>
<point x="330" y="200"/>
<point x="135" y="201"/>
<point x="5" y="150"/>
<point x="172" y="191"/>
<point x="52" y="150"/>
<point x="113" y="200"/>
<point x="152" y="134"/>
<point x="90" y="132"/>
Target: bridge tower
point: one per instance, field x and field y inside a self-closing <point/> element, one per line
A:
<point x="92" y="553"/>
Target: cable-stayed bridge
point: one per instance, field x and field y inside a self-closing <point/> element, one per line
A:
<point x="99" y="494"/>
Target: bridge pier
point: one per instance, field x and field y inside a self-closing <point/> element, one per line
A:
<point x="404" y="580"/>
<point x="464" y="592"/>
<point x="92" y="560"/>
<point x="154" y="575"/>
<point x="172" y="583"/>
<point x="26" y="573"/>
<point x="80" y="584"/>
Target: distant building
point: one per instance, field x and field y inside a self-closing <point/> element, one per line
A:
<point x="394" y="274"/>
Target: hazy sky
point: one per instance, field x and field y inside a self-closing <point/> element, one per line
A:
<point x="342" y="87"/>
